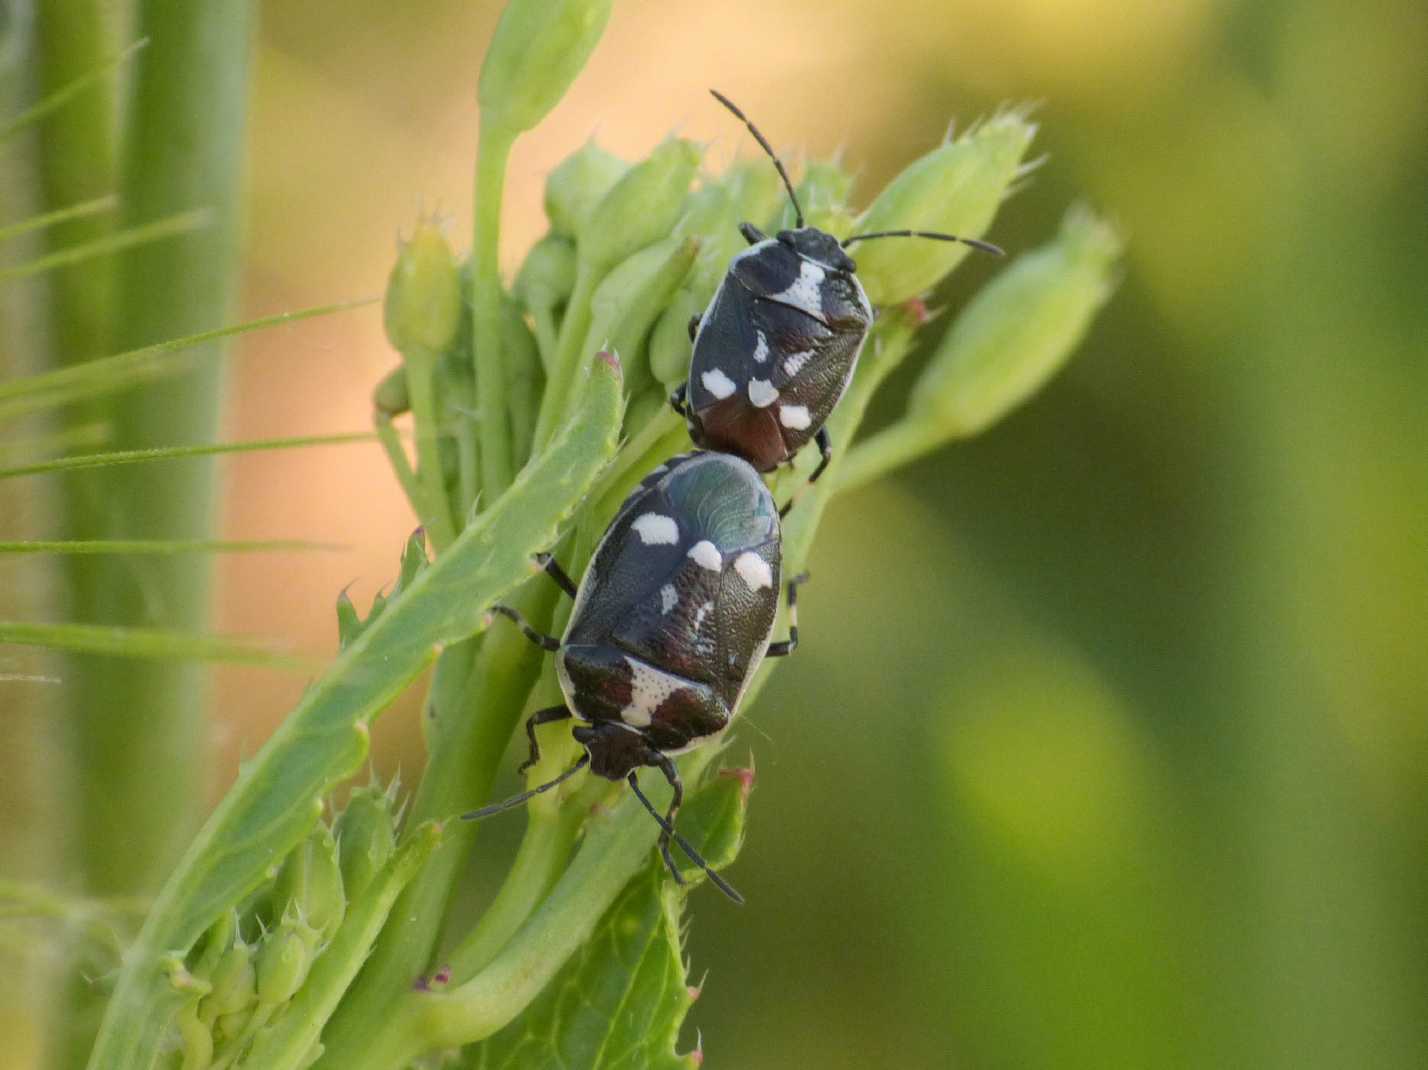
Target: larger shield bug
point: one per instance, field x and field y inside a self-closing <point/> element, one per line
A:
<point x="778" y="345"/>
<point x="670" y="621"/>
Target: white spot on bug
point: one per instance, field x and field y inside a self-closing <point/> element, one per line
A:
<point x="648" y="688"/>
<point x="794" y="417"/>
<point x="668" y="597"/>
<point x="761" y="349"/>
<point x="753" y="570"/>
<point x="762" y="392"/>
<point x="794" y="362"/>
<point x="717" y="383"/>
<point x="656" y="529"/>
<point x="700" y="614"/>
<point x="706" y="555"/>
<point x="806" y="293"/>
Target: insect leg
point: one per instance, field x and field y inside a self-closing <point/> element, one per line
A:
<point x="517" y="800"/>
<point x="752" y="234"/>
<point x="825" y="450"/>
<point x="668" y="829"/>
<point x="680" y="398"/>
<point x="789" y="645"/>
<point x="540" y="639"/>
<point x="546" y="716"/>
<point x="552" y="568"/>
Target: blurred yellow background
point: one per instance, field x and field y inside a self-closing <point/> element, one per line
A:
<point x="1106" y="746"/>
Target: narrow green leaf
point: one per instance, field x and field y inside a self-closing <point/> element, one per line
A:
<point x="280" y="793"/>
<point x="168" y="453"/>
<point x="64" y="93"/>
<point x="59" y="215"/>
<point x="181" y="223"/>
<point x="163" y="546"/>
<point x="124" y="370"/>
<point x="145" y="643"/>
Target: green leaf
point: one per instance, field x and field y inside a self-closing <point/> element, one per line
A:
<point x="279" y="794"/>
<point x="619" y="1003"/>
<point x="146" y="643"/>
<point x="161" y="546"/>
<point x="180" y="223"/>
<point x="121" y="371"/>
<point x="169" y="453"/>
<point x="59" y="215"/>
<point x="64" y="93"/>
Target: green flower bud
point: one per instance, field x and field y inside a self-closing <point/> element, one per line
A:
<point x="234" y="984"/>
<point x="575" y="187"/>
<point x="712" y="216"/>
<point x="548" y="275"/>
<point x="955" y="189"/>
<point x="642" y="207"/>
<point x="231" y="1026"/>
<point x="391" y="398"/>
<point x="670" y="347"/>
<point x="366" y="837"/>
<point x="423" y="305"/>
<point x="823" y="193"/>
<point x="538" y="49"/>
<point x="195" y="1039"/>
<point x="627" y="302"/>
<point x="310" y="884"/>
<point x="757" y="191"/>
<point x="1019" y="330"/>
<point x="215" y="942"/>
<point x="713" y="819"/>
<point x="282" y="964"/>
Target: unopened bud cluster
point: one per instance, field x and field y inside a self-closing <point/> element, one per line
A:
<point x="256" y="957"/>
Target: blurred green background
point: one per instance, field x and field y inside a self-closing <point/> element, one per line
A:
<point x="1106" y="746"/>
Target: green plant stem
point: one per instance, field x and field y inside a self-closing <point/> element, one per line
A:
<point x="493" y="152"/>
<point x="77" y="164"/>
<point x="567" y="354"/>
<point x="182" y="152"/>
<point x="617" y="843"/>
<point x="435" y="510"/>
<point x="476" y="701"/>
<point x="890" y="448"/>
<point x="397" y="458"/>
<point x="545" y="849"/>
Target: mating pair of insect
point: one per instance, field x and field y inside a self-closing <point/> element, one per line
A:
<point x="677" y="608"/>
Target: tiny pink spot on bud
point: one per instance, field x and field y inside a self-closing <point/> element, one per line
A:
<point x="916" y="309"/>
<point x="612" y="359"/>
<point x="694" y="991"/>
<point x="442" y="976"/>
<point x="421" y="984"/>
<point x="745" y="777"/>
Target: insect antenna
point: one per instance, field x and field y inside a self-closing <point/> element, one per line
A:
<point x="525" y="796"/>
<point x="787" y="183"/>
<point x="975" y="243"/>
<point x="684" y="845"/>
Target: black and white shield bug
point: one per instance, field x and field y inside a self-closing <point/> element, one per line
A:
<point x="778" y="345"/>
<point x="670" y="621"/>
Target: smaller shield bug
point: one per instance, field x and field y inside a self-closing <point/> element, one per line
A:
<point x="778" y="345"/>
<point x="670" y="621"/>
